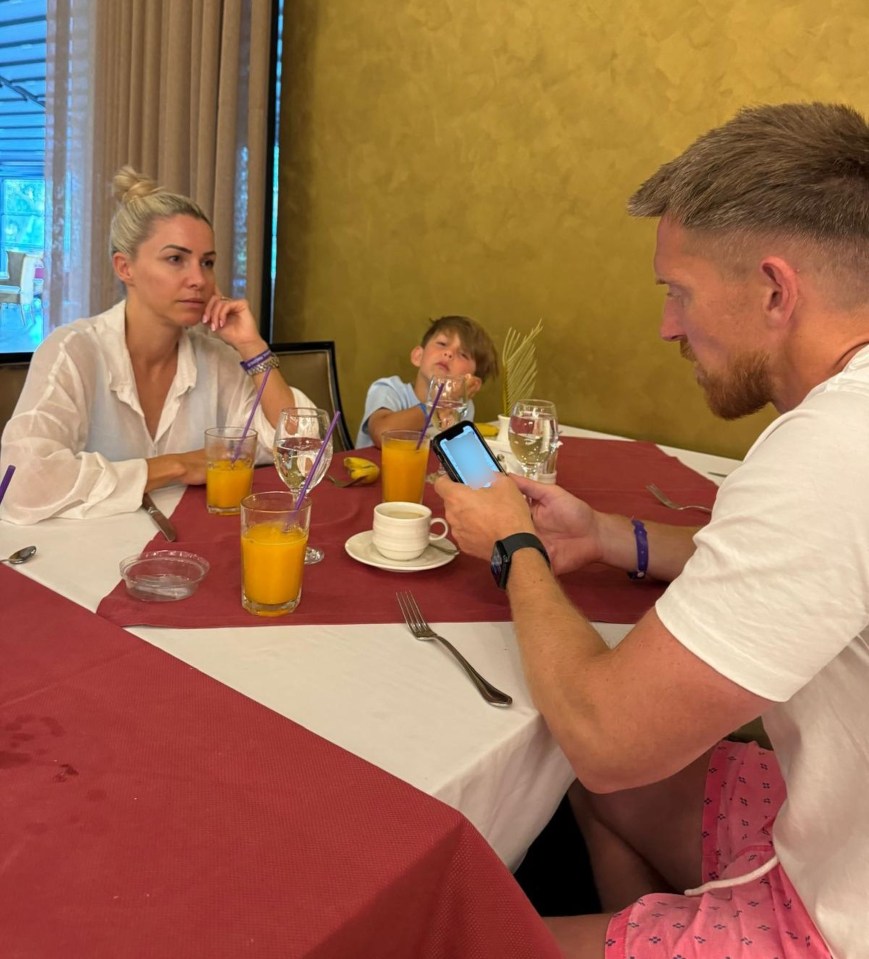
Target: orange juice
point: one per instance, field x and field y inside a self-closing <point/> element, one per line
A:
<point x="403" y="466"/>
<point x="227" y="484"/>
<point x="272" y="562"/>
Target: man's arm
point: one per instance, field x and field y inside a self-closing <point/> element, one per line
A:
<point x="624" y="717"/>
<point x="574" y="534"/>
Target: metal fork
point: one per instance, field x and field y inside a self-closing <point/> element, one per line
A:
<point x="343" y="483"/>
<point x="662" y="497"/>
<point x="417" y="624"/>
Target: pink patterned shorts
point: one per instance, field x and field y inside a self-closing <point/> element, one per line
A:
<point x="760" y="919"/>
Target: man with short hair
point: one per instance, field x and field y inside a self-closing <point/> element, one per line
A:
<point x="703" y="847"/>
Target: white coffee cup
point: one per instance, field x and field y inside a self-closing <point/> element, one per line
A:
<point x="402" y="531"/>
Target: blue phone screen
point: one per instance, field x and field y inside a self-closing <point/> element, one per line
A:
<point x="470" y="458"/>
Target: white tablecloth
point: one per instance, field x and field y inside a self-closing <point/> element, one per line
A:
<point x="401" y="704"/>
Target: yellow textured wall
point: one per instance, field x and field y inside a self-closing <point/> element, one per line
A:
<point x="440" y="157"/>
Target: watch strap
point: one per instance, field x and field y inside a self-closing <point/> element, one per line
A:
<point x="511" y="544"/>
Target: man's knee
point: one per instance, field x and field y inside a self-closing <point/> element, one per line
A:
<point x="619" y="812"/>
<point x="660" y="822"/>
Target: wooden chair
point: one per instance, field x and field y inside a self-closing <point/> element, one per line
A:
<point x="12" y="376"/>
<point x="312" y="368"/>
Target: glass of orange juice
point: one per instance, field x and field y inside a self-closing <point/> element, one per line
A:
<point x="404" y="465"/>
<point x="273" y="538"/>
<point x="230" y="454"/>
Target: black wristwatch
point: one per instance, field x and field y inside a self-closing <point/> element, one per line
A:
<point x="502" y="554"/>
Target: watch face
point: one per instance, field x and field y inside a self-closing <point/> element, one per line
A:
<point x="497" y="563"/>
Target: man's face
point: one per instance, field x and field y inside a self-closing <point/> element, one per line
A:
<point x="717" y="322"/>
<point x="443" y="355"/>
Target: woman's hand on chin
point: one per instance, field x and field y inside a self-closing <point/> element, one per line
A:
<point x="233" y="322"/>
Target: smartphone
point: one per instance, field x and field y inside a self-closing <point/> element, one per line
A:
<point x="465" y="456"/>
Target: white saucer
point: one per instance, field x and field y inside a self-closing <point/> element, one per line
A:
<point x="361" y="548"/>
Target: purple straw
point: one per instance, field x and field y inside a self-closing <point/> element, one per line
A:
<point x="430" y="414"/>
<point x="313" y="470"/>
<point x="7" y="476"/>
<point x="258" y="397"/>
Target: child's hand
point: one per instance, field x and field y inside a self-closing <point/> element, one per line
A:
<point x="474" y="384"/>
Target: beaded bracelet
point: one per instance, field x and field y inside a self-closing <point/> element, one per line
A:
<point x="642" y="550"/>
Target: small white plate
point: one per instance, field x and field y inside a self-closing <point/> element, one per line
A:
<point x="361" y="548"/>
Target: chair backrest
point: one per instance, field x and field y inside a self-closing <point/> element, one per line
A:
<point x="12" y="377"/>
<point x="14" y="264"/>
<point x="27" y="281"/>
<point x="311" y="367"/>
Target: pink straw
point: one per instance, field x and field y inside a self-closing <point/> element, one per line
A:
<point x="7" y="476"/>
<point x="430" y="414"/>
<point x="258" y="397"/>
<point x="313" y="470"/>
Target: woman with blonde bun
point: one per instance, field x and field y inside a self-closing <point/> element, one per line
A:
<point x="116" y="405"/>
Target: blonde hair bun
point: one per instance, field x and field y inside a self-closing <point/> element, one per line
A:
<point x="142" y="201"/>
<point x="128" y="184"/>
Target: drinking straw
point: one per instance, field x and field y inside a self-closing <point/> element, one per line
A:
<point x="7" y="476"/>
<point x="258" y="397"/>
<point x="430" y="414"/>
<point x="312" y="472"/>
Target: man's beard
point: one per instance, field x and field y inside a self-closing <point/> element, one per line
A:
<point x="742" y="389"/>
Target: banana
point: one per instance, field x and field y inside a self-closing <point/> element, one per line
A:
<point x="362" y="471"/>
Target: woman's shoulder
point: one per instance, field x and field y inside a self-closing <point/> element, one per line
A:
<point x="89" y="336"/>
<point x="111" y="319"/>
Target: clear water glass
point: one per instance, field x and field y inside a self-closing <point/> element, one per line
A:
<point x="452" y="406"/>
<point x="533" y="434"/>
<point x="299" y="437"/>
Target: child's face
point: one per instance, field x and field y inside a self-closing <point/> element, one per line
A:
<point x="443" y="355"/>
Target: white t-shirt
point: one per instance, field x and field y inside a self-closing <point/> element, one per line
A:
<point x="776" y="598"/>
<point x="78" y="437"/>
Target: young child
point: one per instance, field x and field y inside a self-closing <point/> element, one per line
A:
<point x="451" y="346"/>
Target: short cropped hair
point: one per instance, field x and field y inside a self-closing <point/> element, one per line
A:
<point x="796" y="171"/>
<point x="473" y="338"/>
<point x="141" y="202"/>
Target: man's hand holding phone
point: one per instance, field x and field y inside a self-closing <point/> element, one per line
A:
<point x="482" y="505"/>
<point x="478" y="517"/>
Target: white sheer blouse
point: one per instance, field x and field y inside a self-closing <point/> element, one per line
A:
<point x="78" y="436"/>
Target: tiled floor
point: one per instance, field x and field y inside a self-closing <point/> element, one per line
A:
<point x="15" y="336"/>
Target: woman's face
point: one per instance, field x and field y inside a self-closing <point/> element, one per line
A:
<point x="172" y="273"/>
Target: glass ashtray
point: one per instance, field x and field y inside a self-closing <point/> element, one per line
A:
<point x="163" y="575"/>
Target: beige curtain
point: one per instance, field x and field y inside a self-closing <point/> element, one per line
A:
<point x="180" y="91"/>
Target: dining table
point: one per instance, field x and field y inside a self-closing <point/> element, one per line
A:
<point x="305" y="786"/>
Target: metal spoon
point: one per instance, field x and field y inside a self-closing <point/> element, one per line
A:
<point x="450" y="551"/>
<point x="20" y="555"/>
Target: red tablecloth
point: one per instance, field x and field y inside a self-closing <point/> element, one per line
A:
<point x="610" y="475"/>
<point x="147" y="810"/>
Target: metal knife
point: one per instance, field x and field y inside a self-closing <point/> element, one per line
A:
<point x="165" y="527"/>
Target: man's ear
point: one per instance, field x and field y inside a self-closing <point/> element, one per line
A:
<point x="781" y="290"/>
<point x="121" y="264"/>
<point x="416" y="356"/>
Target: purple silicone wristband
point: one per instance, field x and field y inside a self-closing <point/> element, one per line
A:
<point x="252" y="362"/>
<point x="642" y="550"/>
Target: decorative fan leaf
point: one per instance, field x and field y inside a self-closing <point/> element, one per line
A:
<point x="518" y="366"/>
